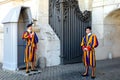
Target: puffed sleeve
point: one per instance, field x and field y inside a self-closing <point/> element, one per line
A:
<point x="25" y="35"/>
<point x="95" y="41"/>
<point x="83" y="43"/>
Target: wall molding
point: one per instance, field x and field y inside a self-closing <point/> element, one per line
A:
<point x="7" y="1"/>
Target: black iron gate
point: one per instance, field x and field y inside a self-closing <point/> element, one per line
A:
<point x="69" y="24"/>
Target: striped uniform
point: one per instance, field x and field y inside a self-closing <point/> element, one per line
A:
<point x="30" y="55"/>
<point x="90" y="42"/>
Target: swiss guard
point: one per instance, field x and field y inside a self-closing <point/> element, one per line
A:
<point x="31" y="46"/>
<point x="89" y="43"/>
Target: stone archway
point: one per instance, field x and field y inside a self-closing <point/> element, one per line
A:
<point x="112" y="33"/>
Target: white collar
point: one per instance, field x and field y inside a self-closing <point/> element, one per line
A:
<point x="28" y="30"/>
<point x="89" y="34"/>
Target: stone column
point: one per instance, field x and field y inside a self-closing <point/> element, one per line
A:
<point x="97" y="26"/>
<point x="49" y="44"/>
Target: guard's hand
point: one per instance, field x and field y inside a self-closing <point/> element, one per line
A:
<point x="29" y="36"/>
<point x="32" y="33"/>
<point x="85" y="49"/>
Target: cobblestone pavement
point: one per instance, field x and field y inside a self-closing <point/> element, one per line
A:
<point x="106" y="70"/>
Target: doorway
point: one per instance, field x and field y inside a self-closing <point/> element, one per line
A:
<point x="24" y="20"/>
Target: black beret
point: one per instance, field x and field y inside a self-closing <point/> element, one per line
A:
<point x="89" y="27"/>
<point x="29" y="25"/>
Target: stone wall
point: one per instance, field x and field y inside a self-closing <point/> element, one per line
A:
<point x="106" y="27"/>
<point x="85" y="5"/>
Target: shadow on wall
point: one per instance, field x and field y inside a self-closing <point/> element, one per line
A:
<point x="112" y="33"/>
<point x="41" y="62"/>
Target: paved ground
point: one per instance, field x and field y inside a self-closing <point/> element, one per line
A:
<point x="106" y="70"/>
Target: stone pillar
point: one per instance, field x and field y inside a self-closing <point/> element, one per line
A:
<point x="97" y="26"/>
<point x="49" y="43"/>
<point x="10" y="49"/>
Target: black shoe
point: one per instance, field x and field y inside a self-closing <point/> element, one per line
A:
<point x="34" y="70"/>
<point x="27" y="71"/>
<point x="84" y="75"/>
<point x="93" y="77"/>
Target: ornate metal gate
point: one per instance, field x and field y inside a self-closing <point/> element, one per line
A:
<point x="69" y="24"/>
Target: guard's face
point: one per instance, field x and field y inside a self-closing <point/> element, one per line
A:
<point x="88" y="31"/>
<point x="30" y="28"/>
